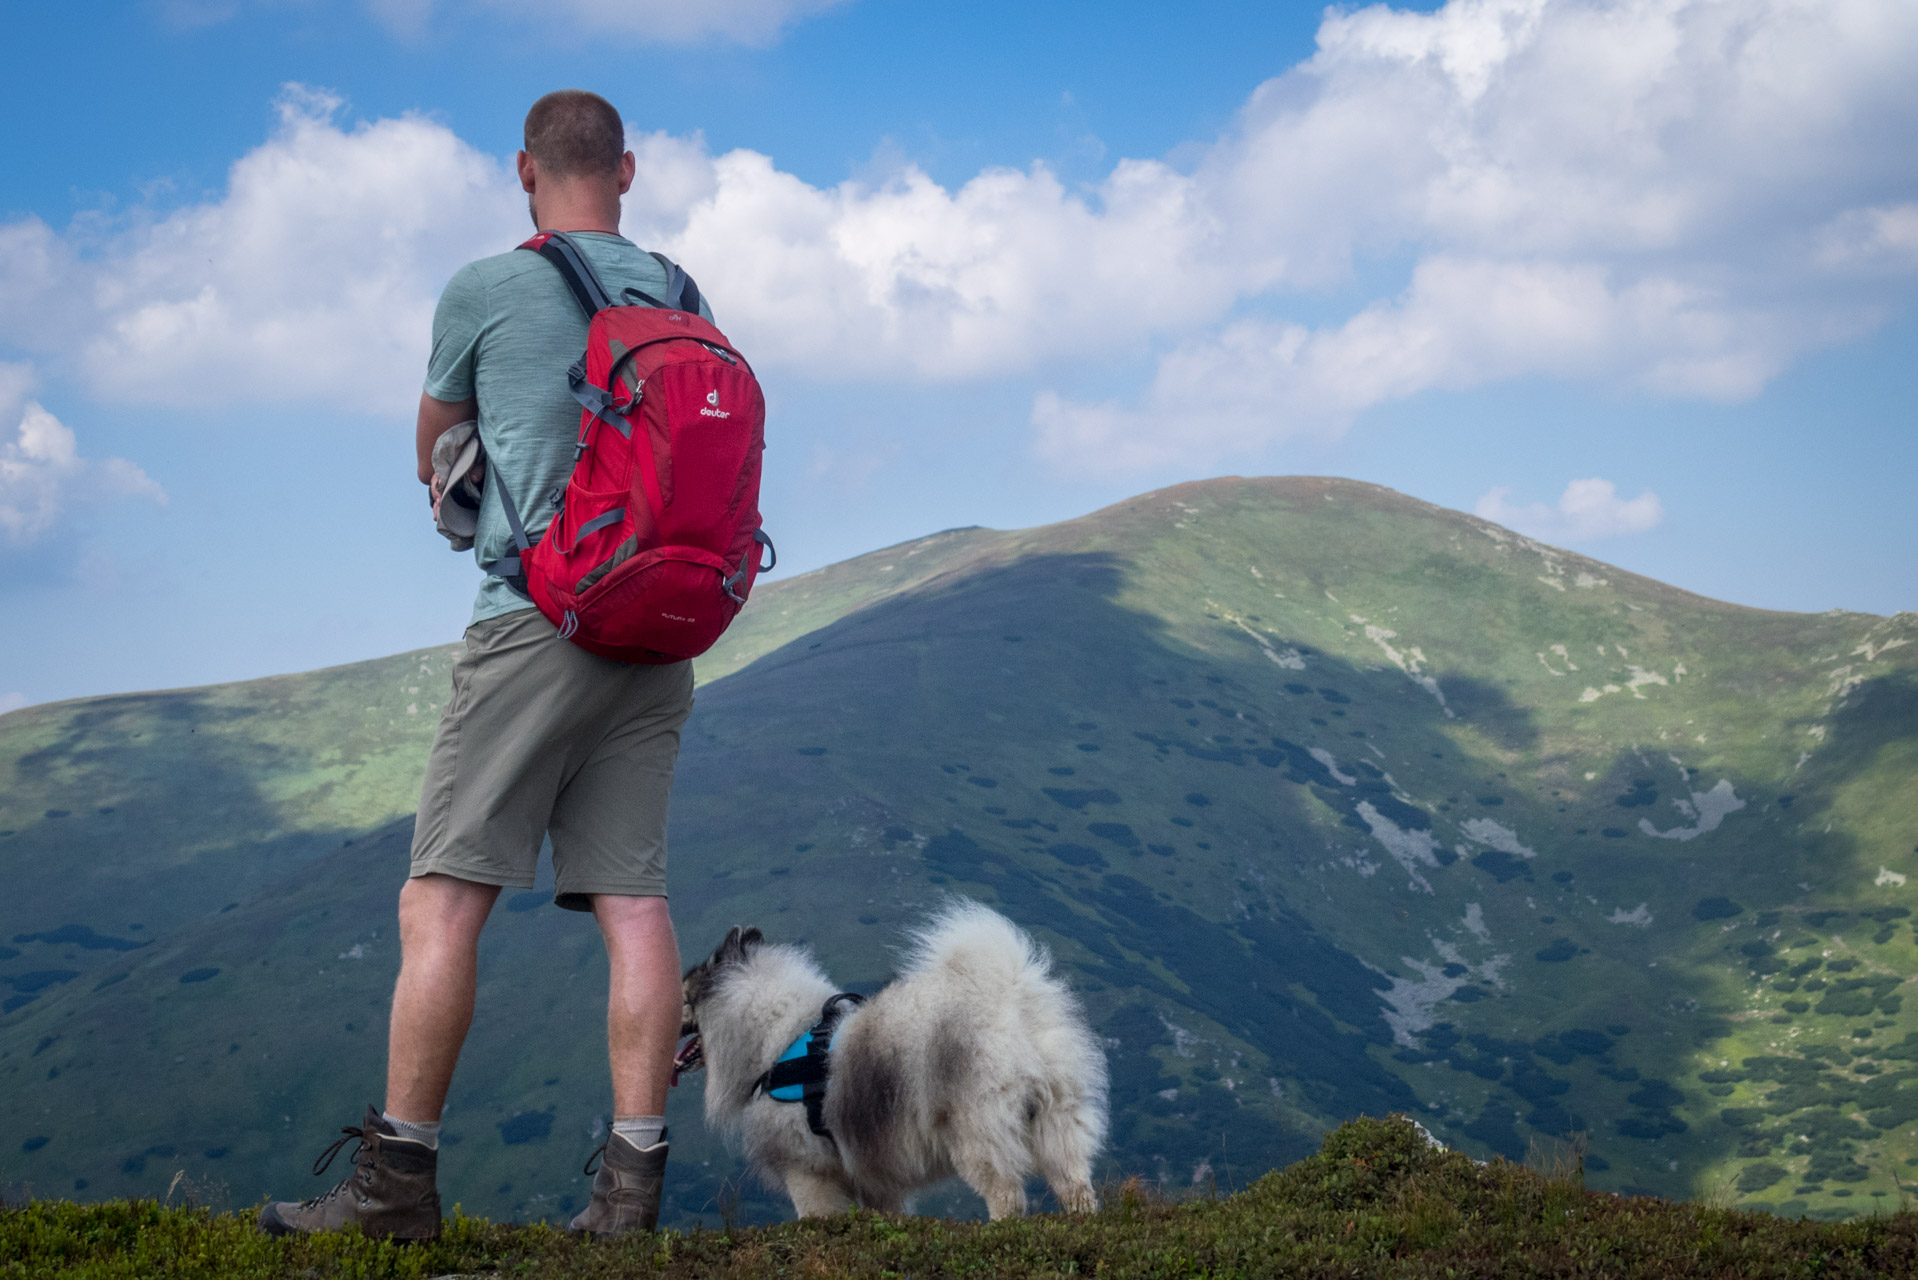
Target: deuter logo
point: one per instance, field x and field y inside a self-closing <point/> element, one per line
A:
<point x="713" y="411"/>
<point x="712" y="397"/>
<point x="676" y="618"/>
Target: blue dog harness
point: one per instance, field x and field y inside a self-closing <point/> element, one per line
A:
<point x="800" y="1073"/>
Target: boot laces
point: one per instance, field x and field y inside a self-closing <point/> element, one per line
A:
<point x="325" y="1159"/>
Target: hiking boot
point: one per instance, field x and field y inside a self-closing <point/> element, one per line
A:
<point x="626" y="1189"/>
<point x="391" y="1192"/>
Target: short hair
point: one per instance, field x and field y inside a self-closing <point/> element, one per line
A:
<point x="573" y="133"/>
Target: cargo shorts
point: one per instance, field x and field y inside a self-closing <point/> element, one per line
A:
<point x="540" y="737"/>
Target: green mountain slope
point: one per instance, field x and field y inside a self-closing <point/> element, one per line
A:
<point x="1328" y="801"/>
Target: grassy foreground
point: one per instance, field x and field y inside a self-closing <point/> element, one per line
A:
<point x="1375" y="1201"/>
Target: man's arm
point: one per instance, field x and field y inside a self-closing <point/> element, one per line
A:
<point x="436" y="416"/>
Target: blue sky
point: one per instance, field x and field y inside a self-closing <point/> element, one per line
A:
<point x="1636" y="278"/>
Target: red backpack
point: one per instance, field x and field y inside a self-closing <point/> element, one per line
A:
<point x="654" y="541"/>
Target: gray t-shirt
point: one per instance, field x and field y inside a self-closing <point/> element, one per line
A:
<point x="505" y="332"/>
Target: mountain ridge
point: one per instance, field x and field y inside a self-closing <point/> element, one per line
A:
<point x="1325" y="799"/>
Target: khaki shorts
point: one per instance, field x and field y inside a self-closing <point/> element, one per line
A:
<point x="542" y="737"/>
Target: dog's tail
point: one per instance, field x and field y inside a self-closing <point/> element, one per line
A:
<point x="972" y="941"/>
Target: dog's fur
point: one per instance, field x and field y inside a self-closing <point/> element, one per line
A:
<point x="975" y="1061"/>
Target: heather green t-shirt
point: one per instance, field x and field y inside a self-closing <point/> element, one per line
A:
<point x="505" y="332"/>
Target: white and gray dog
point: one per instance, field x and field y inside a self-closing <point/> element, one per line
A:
<point x="974" y="1061"/>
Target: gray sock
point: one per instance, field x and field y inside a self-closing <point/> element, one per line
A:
<point x="424" y="1132"/>
<point x="640" y="1132"/>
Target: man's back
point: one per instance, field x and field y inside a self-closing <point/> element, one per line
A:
<point x="506" y="331"/>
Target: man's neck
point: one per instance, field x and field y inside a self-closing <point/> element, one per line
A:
<point x="555" y="212"/>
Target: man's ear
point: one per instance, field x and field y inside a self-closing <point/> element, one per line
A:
<point x="628" y="166"/>
<point x="528" y="174"/>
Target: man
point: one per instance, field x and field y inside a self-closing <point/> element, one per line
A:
<point x="538" y="736"/>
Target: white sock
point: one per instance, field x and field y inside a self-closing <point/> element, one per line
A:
<point x="640" y="1132"/>
<point x="424" y="1132"/>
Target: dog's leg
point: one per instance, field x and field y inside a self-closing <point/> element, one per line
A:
<point x="1062" y="1149"/>
<point x="884" y="1200"/>
<point x="1004" y="1193"/>
<point x="816" y="1197"/>
<point x="1075" y="1197"/>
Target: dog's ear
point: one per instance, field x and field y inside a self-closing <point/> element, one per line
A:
<point x="737" y="946"/>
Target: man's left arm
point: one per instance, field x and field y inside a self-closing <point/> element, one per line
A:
<point x="448" y="398"/>
<point x="436" y="417"/>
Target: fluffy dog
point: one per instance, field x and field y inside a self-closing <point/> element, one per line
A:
<point x="974" y="1061"/>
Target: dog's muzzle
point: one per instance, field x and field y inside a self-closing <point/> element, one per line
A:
<point x="691" y="1057"/>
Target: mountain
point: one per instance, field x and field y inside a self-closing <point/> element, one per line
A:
<point x="1327" y="801"/>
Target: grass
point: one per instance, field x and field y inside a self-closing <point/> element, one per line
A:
<point x="1374" y="1201"/>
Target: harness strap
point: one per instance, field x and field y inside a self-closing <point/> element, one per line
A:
<point x="809" y="1071"/>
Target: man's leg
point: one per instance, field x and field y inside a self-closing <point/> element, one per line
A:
<point x="440" y="921"/>
<point x="642" y="1026"/>
<point x="393" y="1189"/>
<point x="643" y="1006"/>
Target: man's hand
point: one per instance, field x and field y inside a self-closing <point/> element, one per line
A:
<point x="436" y="417"/>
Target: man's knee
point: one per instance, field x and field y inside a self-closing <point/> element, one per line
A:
<point x="633" y="923"/>
<point x="443" y="907"/>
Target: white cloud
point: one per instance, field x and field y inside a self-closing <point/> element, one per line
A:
<point x="41" y="470"/>
<point x="1462" y="323"/>
<point x="1587" y="510"/>
<point x="1884" y="238"/>
<point x="1666" y="194"/>
<point x="312" y="279"/>
<point x="12" y="702"/>
<point x="1673" y="196"/>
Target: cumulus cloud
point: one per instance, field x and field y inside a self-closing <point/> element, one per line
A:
<point x="1586" y="511"/>
<point x="312" y="279"/>
<point x="1461" y="323"/>
<point x="1884" y="238"/>
<point x="1673" y="195"/>
<point x="41" y="470"/>
<point x="1680" y="197"/>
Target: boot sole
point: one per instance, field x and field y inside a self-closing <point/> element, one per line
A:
<point x="272" y="1224"/>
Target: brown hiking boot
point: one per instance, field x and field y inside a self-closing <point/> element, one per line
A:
<point x="391" y="1192"/>
<point x="626" y="1189"/>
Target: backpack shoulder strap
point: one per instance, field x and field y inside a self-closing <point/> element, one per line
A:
<point x="558" y="248"/>
<point x="681" y="293"/>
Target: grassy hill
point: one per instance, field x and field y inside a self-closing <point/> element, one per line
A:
<point x="1329" y="801"/>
